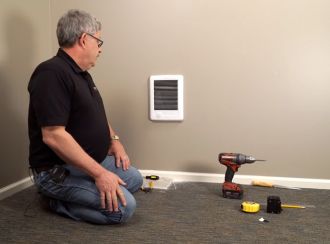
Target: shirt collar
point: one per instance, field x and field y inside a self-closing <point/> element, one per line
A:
<point x="67" y="58"/>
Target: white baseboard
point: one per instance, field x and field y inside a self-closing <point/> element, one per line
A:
<point x="15" y="187"/>
<point x="178" y="176"/>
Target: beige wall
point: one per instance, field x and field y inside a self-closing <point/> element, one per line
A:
<point x="256" y="80"/>
<point x="24" y="42"/>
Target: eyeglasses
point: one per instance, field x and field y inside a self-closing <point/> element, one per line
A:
<point x="99" y="41"/>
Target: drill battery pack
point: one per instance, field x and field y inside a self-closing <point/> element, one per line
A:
<point x="232" y="190"/>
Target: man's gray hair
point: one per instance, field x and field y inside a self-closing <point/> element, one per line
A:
<point x="73" y="24"/>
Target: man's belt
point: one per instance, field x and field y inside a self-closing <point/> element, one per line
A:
<point x="39" y="169"/>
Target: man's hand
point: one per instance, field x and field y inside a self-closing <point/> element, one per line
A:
<point x="109" y="186"/>
<point x="121" y="157"/>
<point x="65" y="146"/>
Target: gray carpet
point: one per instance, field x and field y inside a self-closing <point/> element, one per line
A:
<point x="187" y="213"/>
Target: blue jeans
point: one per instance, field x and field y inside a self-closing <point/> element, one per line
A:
<point x="78" y="197"/>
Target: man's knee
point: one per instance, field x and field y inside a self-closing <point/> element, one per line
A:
<point x="125" y="213"/>
<point x="135" y="181"/>
<point x="129" y="209"/>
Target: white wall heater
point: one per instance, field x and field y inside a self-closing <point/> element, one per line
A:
<point x="166" y="97"/>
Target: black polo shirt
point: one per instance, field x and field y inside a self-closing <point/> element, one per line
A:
<point x="61" y="94"/>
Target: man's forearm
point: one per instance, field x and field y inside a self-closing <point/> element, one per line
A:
<point x="66" y="147"/>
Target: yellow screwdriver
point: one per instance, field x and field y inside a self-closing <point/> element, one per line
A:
<point x="269" y="184"/>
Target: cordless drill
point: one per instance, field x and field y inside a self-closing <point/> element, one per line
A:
<point x="233" y="161"/>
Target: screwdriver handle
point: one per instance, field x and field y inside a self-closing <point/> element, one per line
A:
<point x="262" y="183"/>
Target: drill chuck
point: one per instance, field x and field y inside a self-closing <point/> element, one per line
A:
<point x="250" y="160"/>
<point x="237" y="158"/>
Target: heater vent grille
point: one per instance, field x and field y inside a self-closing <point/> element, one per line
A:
<point x="166" y="95"/>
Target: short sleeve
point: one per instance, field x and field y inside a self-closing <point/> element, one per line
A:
<point x="50" y="96"/>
